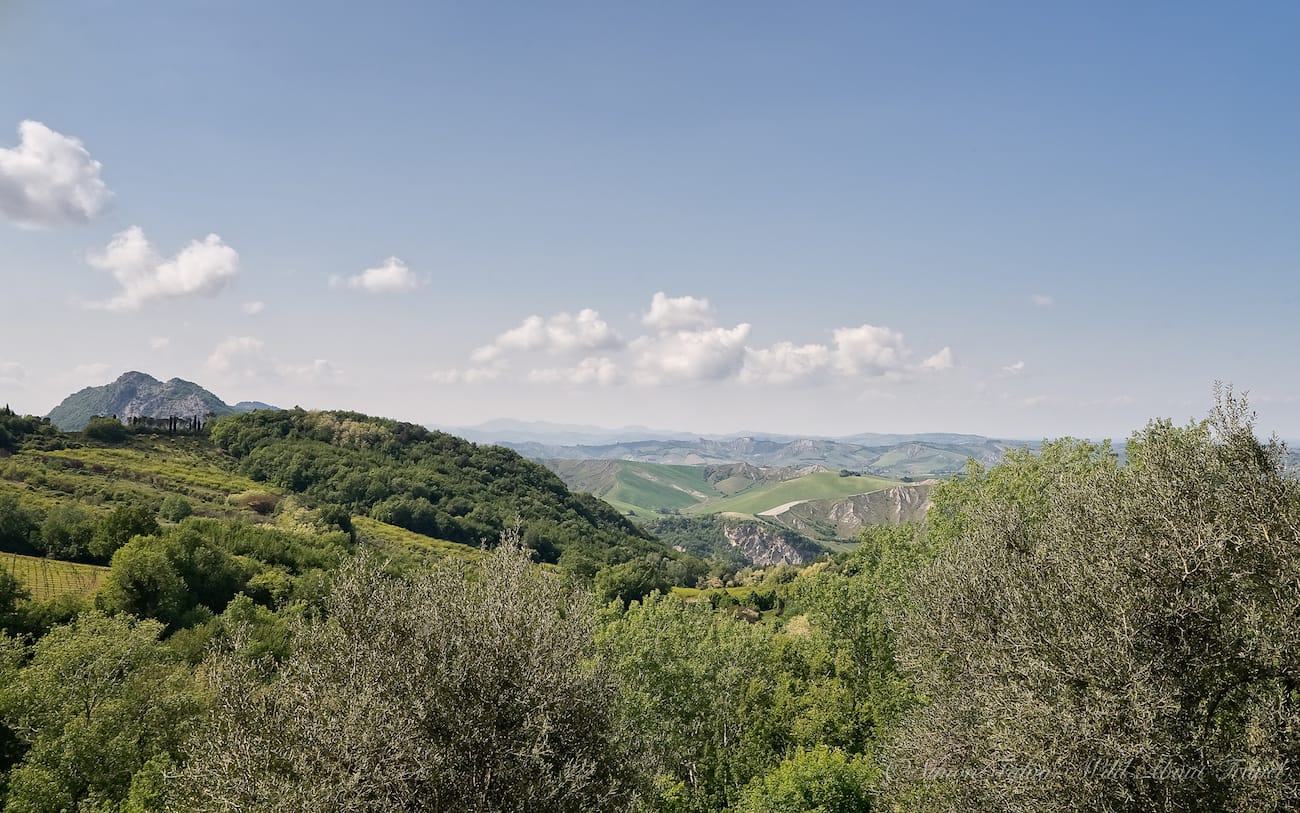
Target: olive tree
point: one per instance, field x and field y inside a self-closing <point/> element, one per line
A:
<point x="1106" y="637"/>
<point x="471" y="687"/>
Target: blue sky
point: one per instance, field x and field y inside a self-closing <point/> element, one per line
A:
<point x="1017" y="219"/>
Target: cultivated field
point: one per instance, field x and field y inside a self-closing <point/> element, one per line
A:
<point x="48" y="578"/>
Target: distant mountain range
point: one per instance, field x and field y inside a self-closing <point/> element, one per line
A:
<point x="504" y="431"/>
<point x="139" y="394"/>
<point x="510" y="432"/>
<point x="905" y="457"/>
<point x="889" y="455"/>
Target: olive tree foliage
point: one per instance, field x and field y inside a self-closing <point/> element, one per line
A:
<point x="1110" y="638"/>
<point x="470" y="688"/>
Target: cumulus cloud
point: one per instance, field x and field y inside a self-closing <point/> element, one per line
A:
<point x="678" y="313"/>
<point x="1014" y="369"/>
<point x="237" y="354"/>
<point x="866" y="351"/>
<point x="392" y="277"/>
<point x="159" y="342"/>
<point x="685" y="345"/>
<point x="869" y="350"/>
<point x="942" y="360"/>
<point x="49" y="179"/>
<point x="12" y="374"/>
<point x="561" y="333"/>
<point x="1042" y="300"/>
<point x="252" y="308"/>
<point x="247" y="357"/>
<point x="203" y="267"/>
<point x="691" y="355"/>
<point x="599" y="370"/>
<point x="785" y="362"/>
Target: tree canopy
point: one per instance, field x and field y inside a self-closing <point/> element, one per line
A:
<point x="441" y="691"/>
<point x="1105" y="637"/>
<point x="428" y="482"/>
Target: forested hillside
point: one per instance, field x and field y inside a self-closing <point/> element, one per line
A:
<point x="1062" y="631"/>
<point x="428" y="482"/>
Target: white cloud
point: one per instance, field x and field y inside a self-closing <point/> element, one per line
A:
<point x="159" y="342"/>
<point x="247" y="357"/>
<point x="785" y="362"/>
<point x="561" y="333"/>
<point x="943" y="360"/>
<point x="691" y="355"/>
<point x="593" y="370"/>
<point x="685" y="346"/>
<point x="678" y="313"/>
<point x="1042" y="300"/>
<point x="12" y="374"/>
<point x="252" y="308"/>
<point x="238" y="355"/>
<point x="203" y="267"/>
<point x="49" y="180"/>
<point x="869" y="350"/>
<point x="392" y="277"/>
<point x="1014" y="369"/>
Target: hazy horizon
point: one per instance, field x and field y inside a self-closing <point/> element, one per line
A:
<point x="491" y="424"/>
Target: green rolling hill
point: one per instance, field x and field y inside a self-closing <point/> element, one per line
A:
<point x="816" y="486"/>
<point x="817" y="503"/>
<point x="638" y="487"/>
<point x="656" y="488"/>
<point x="413" y="492"/>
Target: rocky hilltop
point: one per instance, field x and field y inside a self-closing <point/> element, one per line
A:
<point x="139" y="394"/>
<point x="765" y="546"/>
<point x="845" y="518"/>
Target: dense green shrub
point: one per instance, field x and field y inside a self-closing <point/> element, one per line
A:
<point x="448" y="690"/>
<point x="106" y="430"/>
<point x="67" y="532"/>
<point x="175" y="508"/>
<point x="116" y="529"/>
<point x="189" y="572"/>
<point x="815" y="780"/>
<point x="92" y="703"/>
<point x="19" y="527"/>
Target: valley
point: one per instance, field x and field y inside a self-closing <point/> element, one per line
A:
<point x="824" y="505"/>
